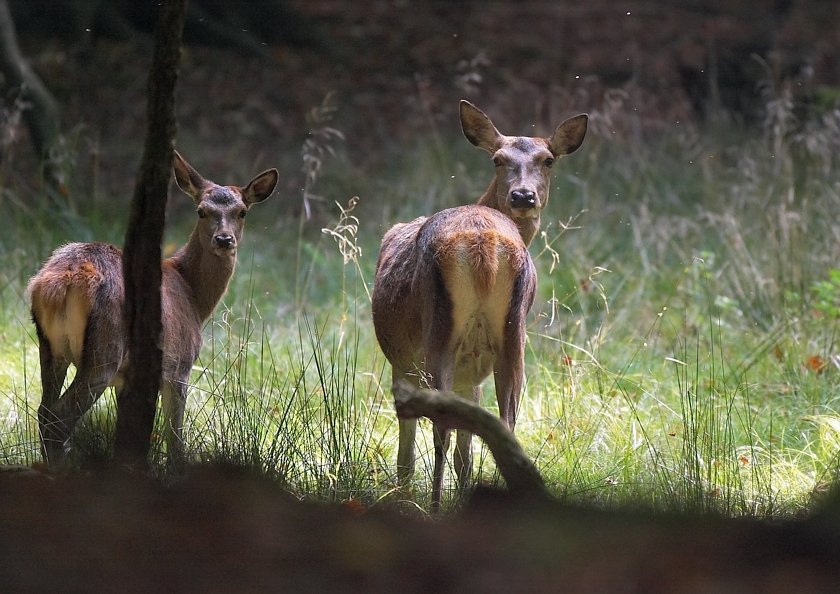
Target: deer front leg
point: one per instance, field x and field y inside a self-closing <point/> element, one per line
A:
<point x="173" y="398"/>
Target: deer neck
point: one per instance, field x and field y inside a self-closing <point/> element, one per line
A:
<point x="206" y="274"/>
<point x="528" y="226"/>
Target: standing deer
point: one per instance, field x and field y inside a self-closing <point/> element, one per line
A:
<point x="77" y="306"/>
<point x="452" y="291"/>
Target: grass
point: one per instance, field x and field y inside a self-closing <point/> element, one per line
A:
<point x="682" y="351"/>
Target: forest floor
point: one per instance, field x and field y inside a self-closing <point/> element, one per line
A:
<point x="221" y="532"/>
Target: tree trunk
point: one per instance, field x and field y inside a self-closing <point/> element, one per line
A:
<point x="41" y="115"/>
<point x="137" y="401"/>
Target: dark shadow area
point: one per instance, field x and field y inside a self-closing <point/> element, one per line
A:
<point x="223" y="531"/>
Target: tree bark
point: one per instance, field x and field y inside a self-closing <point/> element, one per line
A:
<point x="519" y="472"/>
<point x="137" y="401"/>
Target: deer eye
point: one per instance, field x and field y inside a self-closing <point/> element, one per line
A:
<point x="497" y="161"/>
<point x="202" y="214"/>
<point x="548" y="162"/>
<point x="242" y="213"/>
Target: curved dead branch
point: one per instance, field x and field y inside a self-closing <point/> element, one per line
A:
<point x="446" y="408"/>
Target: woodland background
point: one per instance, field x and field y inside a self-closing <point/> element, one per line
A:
<point x="252" y="71"/>
<point x="683" y="360"/>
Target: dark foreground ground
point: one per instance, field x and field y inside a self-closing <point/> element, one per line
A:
<point x="220" y="532"/>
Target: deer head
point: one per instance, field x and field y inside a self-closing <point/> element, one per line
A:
<point x="523" y="165"/>
<point x="221" y="209"/>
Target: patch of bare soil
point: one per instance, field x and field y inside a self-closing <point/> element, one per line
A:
<point x="221" y="532"/>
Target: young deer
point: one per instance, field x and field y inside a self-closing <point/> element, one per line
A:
<point x="77" y="306"/>
<point x="452" y="291"/>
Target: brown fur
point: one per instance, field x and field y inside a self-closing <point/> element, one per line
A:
<point x="452" y="291"/>
<point x="478" y="249"/>
<point x="77" y="306"/>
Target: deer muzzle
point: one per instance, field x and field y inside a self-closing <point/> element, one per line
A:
<point x="224" y="242"/>
<point x="524" y="203"/>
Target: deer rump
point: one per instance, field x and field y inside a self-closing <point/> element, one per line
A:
<point x="77" y="306"/>
<point x="452" y="292"/>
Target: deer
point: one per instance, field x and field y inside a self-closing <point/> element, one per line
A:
<point x="452" y="291"/>
<point x="77" y="300"/>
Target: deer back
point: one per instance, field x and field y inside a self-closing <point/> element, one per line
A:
<point x="445" y="284"/>
<point x="80" y="281"/>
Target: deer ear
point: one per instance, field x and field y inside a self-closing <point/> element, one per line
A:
<point x="261" y="187"/>
<point x="568" y="136"/>
<point x="478" y="128"/>
<point x="188" y="179"/>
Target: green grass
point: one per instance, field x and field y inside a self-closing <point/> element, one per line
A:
<point x="682" y="351"/>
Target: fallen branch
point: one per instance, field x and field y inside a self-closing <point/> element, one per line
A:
<point x="448" y="409"/>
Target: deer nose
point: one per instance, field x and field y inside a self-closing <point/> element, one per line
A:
<point x="224" y="241"/>
<point x="523" y="199"/>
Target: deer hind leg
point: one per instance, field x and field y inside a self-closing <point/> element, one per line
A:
<point x="463" y="448"/>
<point x="441" y="440"/>
<point x="53" y="372"/>
<point x="439" y="364"/>
<point x="88" y="385"/>
<point x="173" y="399"/>
<point x="509" y="376"/>
<point x="408" y="434"/>
<point x="509" y="369"/>
<point x="405" y="453"/>
<point x="96" y="367"/>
